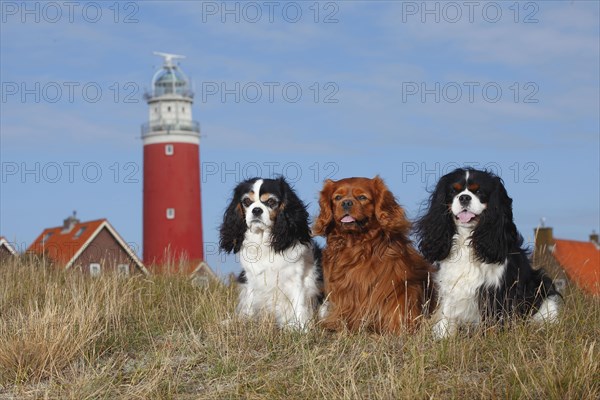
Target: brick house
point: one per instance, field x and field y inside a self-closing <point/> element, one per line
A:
<point x="94" y="247"/>
<point x="7" y="251"/>
<point x="569" y="261"/>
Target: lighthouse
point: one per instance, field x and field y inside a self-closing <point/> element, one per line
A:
<point x="172" y="217"/>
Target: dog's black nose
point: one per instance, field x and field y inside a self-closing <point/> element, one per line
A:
<point x="257" y="211"/>
<point x="346" y="204"/>
<point x="464" y="199"/>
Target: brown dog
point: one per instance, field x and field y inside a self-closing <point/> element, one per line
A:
<point x="374" y="278"/>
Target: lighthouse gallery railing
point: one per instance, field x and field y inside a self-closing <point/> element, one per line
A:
<point x="150" y="128"/>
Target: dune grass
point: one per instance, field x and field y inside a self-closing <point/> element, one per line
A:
<point x="63" y="335"/>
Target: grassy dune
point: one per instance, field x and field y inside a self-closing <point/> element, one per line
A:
<point x="64" y="336"/>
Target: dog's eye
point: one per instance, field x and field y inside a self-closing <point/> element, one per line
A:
<point x="271" y="203"/>
<point x="246" y="202"/>
<point x="362" y="197"/>
<point x="338" y="197"/>
<point x="455" y="188"/>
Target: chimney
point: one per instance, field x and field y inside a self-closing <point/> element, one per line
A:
<point x="594" y="238"/>
<point x="70" y="222"/>
<point x="544" y="238"/>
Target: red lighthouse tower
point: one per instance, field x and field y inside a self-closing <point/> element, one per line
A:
<point x="172" y="208"/>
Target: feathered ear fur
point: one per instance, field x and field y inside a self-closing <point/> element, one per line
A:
<point x="234" y="226"/>
<point x="388" y="212"/>
<point x="291" y="223"/>
<point x="324" y="221"/>
<point x="496" y="234"/>
<point x="436" y="228"/>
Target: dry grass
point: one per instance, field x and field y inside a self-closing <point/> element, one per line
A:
<point x="65" y="336"/>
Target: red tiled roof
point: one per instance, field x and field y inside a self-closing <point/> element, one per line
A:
<point x="63" y="246"/>
<point x="581" y="262"/>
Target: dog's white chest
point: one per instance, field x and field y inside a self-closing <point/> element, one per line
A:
<point x="460" y="278"/>
<point x="283" y="283"/>
<point x="260" y="260"/>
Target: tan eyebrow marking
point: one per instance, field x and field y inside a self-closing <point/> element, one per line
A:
<point x="458" y="187"/>
<point x="266" y="196"/>
<point x="249" y="195"/>
<point x="473" y="187"/>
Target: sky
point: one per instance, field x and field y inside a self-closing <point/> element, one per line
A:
<point x="308" y="90"/>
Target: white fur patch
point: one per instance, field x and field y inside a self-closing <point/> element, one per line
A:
<point x="458" y="281"/>
<point x="282" y="284"/>
<point x="548" y="311"/>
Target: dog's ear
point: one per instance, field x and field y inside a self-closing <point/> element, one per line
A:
<point x="496" y="233"/>
<point x="291" y="223"/>
<point x="388" y="212"/>
<point x="324" y="221"/>
<point x="234" y="226"/>
<point x="436" y="227"/>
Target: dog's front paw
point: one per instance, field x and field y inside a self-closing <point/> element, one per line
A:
<point x="548" y="312"/>
<point x="443" y="329"/>
<point x="324" y="310"/>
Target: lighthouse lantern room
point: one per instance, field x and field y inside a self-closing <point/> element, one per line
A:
<point x="172" y="232"/>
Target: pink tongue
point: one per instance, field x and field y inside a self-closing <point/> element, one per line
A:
<point x="465" y="216"/>
<point x="347" y="219"/>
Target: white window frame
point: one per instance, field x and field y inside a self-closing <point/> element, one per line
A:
<point x="169" y="149"/>
<point x="123" y="269"/>
<point x="95" y="269"/>
<point x="79" y="232"/>
<point x="170" y="213"/>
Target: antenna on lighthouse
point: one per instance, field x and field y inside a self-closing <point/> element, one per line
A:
<point x="168" y="57"/>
